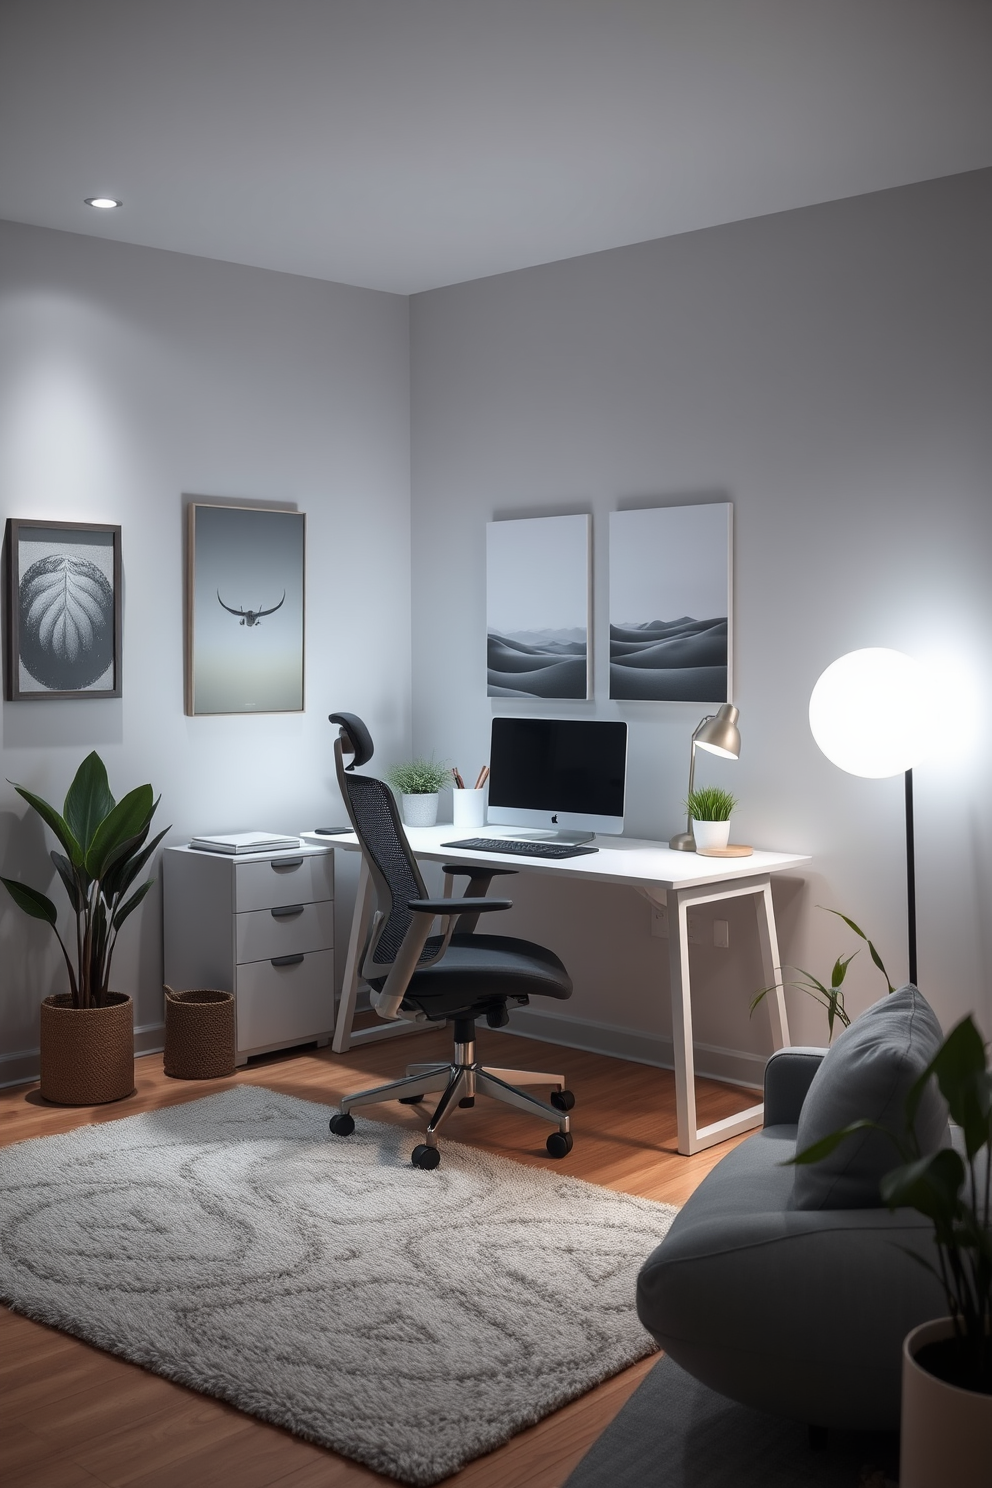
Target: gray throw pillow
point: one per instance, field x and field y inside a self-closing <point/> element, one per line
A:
<point x="868" y="1074"/>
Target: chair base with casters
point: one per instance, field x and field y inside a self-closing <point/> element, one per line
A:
<point x="460" y="1081"/>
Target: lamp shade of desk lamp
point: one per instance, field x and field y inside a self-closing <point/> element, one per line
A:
<point x="869" y="714"/>
<point x="718" y="734"/>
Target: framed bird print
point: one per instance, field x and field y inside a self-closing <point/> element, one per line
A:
<point x="245" y="591"/>
<point x="63" y="610"/>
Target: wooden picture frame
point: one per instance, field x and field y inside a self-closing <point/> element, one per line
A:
<point x="245" y="609"/>
<point x="64" y="610"/>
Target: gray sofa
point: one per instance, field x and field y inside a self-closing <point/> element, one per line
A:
<point x="800" y="1312"/>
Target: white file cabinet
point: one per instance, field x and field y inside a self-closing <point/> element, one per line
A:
<point x="260" y="925"/>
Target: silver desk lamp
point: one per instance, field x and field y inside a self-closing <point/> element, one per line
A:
<point x="718" y="733"/>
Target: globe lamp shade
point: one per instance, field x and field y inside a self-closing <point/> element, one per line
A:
<point x="870" y="713"/>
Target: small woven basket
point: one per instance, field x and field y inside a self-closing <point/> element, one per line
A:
<point x="199" y="1034"/>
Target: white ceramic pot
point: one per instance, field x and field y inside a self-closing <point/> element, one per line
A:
<point x="420" y="810"/>
<point x="946" y="1433"/>
<point x="710" y="833"/>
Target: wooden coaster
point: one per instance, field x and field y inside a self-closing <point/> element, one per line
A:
<point x="732" y="850"/>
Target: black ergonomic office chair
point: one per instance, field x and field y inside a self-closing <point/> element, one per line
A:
<point x="453" y="977"/>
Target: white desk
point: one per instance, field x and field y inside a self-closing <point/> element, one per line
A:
<point x="679" y="880"/>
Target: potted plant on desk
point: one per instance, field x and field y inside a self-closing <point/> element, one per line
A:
<point x="946" y="1433"/>
<point x="418" y="783"/>
<point x="709" y="809"/>
<point x="87" y="1034"/>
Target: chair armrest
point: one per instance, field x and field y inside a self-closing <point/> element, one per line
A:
<point x="476" y="870"/>
<point x="456" y="906"/>
<point x="788" y="1076"/>
<point x="480" y="876"/>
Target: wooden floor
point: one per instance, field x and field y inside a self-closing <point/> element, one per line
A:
<point x="74" y="1417"/>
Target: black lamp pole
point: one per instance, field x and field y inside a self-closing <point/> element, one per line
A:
<point x="910" y="877"/>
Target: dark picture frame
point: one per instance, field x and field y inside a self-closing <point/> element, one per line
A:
<point x="245" y="609"/>
<point x="64" y="610"/>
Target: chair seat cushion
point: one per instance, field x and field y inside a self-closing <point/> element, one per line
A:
<point x="480" y="968"/>
<point x="867" y="1074"/>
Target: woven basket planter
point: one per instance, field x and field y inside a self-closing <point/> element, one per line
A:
<point x="199" y="1034"/>
<point x="87" y="1054"/>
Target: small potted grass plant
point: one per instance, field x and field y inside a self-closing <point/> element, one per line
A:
<point x="417" y="783"/>
<point x="709" y="808"/>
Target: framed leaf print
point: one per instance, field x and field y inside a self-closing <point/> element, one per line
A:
<point x="63" y="610"/>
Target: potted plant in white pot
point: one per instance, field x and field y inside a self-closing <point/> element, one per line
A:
<point x="710" y="809"/>
<point x="417" y="783"/>
<point x="87" y="1034"/>
<point x="946" y="1435"/>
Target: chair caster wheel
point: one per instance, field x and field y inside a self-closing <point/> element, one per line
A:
<point x="562" y="1100"/>
<point x="425" y="1157"/>
<point x="468" y="1101"/>
<point x="560" y="1144"/>
<point x="342" y="1125"/>
<point x="410" y="1100"/>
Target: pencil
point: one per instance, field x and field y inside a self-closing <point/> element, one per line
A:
<point x="458" y="779"/>
<point x="483" y="777"/>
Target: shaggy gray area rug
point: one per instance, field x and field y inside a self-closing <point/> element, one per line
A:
<point x="409" y="1320"/>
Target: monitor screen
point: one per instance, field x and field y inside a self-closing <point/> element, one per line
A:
<point x="558" y="773"/>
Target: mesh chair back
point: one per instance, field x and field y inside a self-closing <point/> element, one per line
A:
<point x="394" y="871"/>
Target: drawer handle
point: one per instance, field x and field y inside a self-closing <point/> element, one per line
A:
<point x="288" y="960"/>
<point x="286" y="865"/>
<point x="287" y="912"/>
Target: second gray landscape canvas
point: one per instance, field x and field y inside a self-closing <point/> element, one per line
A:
<point x="670" y="603"/>
<point x="537" y="607"/>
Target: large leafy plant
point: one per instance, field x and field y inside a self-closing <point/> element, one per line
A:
<point x="105" y="847"/>
<point x="952" y="1191"/>
<point x="831" y="997"/>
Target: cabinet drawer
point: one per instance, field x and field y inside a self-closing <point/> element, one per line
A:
<point x="261" y="933"/>
<point x="280" y="1004"/>
<point x="274" y="882"/>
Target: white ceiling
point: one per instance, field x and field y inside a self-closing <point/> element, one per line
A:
<point x="406" y="144"/>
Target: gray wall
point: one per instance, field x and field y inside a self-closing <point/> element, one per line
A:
<point x="828" y="371"/>
<point x="130" y="380"/>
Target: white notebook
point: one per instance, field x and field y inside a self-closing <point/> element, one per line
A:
<point x="244" y="842"/>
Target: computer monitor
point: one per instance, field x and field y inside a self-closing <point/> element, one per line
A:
<point x="564" y="776"/>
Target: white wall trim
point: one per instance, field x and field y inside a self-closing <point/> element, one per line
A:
<point x="732" y="1066"/>
<point x="24" y="1066"/>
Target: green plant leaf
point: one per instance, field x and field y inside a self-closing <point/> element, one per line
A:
<point x="840" y="970"/>
<point x="871" y="949"/>
<point x="52" y="819"/>
<point x="129" y="818"/>
<point x="419" y="777"/>
<point x="126" y="872"/>
<point x="31" y="901"/>
<point x="88" y="800"/>
<point x="828" y="1144"/>
<point x="959" y="1066"/>
<point x="131" y="904"/>
<point x="68" y="875"/>
<point x="930" y="1185"/>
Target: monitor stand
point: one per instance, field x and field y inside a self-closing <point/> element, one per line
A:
<point x="570" y="839"/>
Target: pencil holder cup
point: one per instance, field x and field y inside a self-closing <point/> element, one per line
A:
<point x="468" y="807"/>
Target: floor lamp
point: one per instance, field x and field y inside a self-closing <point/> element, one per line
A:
<point x="868" y="713"/>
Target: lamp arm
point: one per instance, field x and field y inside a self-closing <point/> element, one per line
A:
<point x="692" y="767"/>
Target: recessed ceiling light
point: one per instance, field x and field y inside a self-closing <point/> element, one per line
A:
<point x="104" y="202"/>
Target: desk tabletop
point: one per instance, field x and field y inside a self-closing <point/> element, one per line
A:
<point x="622" y="860"/>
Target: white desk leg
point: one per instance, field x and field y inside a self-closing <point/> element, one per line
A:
<point x="771" y="967"/>
<point x="356" y="945"/>
<point x="678" y="963"/>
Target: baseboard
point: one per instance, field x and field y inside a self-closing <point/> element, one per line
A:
<point x="729" y="1065"/>
<point x="24" y="1067"/>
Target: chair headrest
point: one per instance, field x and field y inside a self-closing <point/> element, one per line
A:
<point x="355" y="738"/>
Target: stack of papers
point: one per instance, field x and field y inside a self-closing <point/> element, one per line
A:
<point x="244" y="842"/>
